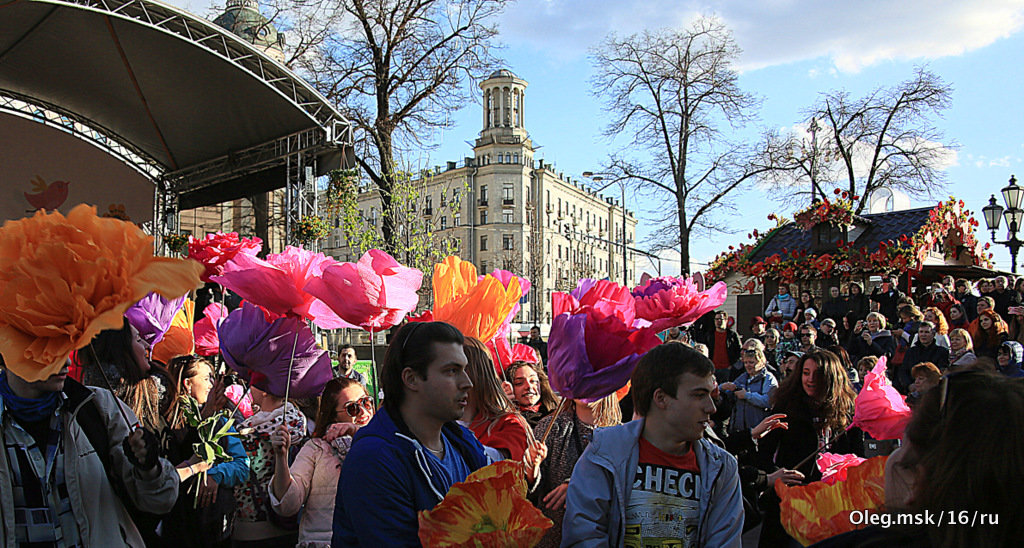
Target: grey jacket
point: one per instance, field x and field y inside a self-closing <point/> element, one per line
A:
<point x="602" y="480"/>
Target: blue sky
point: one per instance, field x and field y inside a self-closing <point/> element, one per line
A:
<point x="793" y="50"/>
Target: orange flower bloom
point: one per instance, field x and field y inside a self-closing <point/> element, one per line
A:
<point x="488" y="510"/>
<point x="178" y="341"/>
<point x="477" y="306"/>
<point x="65" y="279"/>
<point x="815" y="512"/>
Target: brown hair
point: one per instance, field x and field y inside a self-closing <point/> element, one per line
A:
<point x="179" y="369"/>
<point x="928" y="370"/>
<point x="661" y="367"/>
<point x="992" y="336"/>
<point x="328" y="412"/>
<point x="548" y="399"/>
<point x="488" y="395"/>
<point x="941" y="325"/>
<point x="835" y="406"/>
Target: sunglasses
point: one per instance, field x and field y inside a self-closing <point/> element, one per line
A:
<point x="805" y="334"/>
<point x="749" y="352"/>
<point x="358" y="407"/>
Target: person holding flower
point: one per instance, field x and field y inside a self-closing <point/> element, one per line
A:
<point x="531" y="392"/>
<point x="203" y="514"/>
<point x="311" y="483"/>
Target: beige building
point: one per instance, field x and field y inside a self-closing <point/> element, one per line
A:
<point x="504" y="209"/>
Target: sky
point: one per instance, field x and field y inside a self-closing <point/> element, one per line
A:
<point x="793" y="50"/>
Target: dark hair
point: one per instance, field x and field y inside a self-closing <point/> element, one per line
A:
<point x="412" y="347"/>
<point x="344" y="347"/>
<point x="548" y="399"/>
<point x="834" y="407"/>
<point x="844" y="356"/>
<point x="967" y="458"/>
<point x="661" y="368"/>
<point x="179" y="369"/>
<point x="327" y="414"/>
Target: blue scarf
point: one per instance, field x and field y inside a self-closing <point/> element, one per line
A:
<point x="27" y="409"/>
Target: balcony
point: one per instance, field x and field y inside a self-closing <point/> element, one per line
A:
<point x="482" y="202"/>
<point x="508" y="201"/>
<point x="427" y="211"/>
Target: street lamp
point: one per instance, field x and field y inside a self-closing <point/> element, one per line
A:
<point x="993" y="213"/>
<point x="597" y="178"/>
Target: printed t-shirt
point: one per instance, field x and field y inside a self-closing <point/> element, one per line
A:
<point x="663" y="509"/>
<point x="721" y="352"/>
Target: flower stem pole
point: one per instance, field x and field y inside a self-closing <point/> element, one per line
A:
<point x="110" y="387"/>
<point x="564" y="405"/>
<point x="288" y="387"/>
<point x="373" y="369"/>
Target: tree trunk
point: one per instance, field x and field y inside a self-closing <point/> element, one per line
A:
<point x="684" y="236"/>
<point x="386" y="186"/>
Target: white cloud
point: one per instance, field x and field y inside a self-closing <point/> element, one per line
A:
<point x="851" y="35"/>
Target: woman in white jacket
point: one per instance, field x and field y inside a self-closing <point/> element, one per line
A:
<point x="312" y="480"/>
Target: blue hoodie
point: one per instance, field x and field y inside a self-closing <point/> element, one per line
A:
<point x="595" y="508"/>
<point x="1013" y="368"/>
<point x="386" y="480"/>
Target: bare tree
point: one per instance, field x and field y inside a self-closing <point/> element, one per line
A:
<point x="669" y="92"/>
<point x="886" y="139"/>
<point x="398" y="69"/>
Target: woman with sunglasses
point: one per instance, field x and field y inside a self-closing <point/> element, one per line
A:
<point x="311" y="482"/>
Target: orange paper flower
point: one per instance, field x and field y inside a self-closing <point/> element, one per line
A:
<point x="815" y="512"/>
<point x="477" y="308"/>
<point x="65" y="279"/>
<point x="488" y="510"/>
<point x="178" y="341"/>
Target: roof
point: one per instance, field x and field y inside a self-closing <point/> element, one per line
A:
<point x="880" y="227"/>
<point x="502" y="73"/>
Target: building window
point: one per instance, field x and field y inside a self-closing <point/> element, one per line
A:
<point x="483" y="192"/>
<point x="444" y="222"/>
<point x="549" y="246"/>
<point x="559" y="252"/>
<point x="483" y="266"/>
<point x="483" y="243"/>
<point x="458" y="219"/>
<point x="443" y="201"/>
<point x="508" y="242"/>
<point x="515" y="158"/>
<point x="549" y="269"/>
<point x="507" y="193"/>
<point x="483" y="217"/>
<point x="506" y="216"/>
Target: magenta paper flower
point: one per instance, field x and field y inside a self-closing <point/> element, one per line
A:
<point x="596" y="340"/>
<point x="278" y="284"/>
<point x="205" y="330"/>
<point x="375" y="294"/>
<point x="152" y="316"/>
<point x="261" y="351"/>
<point x="833" y="466"/>
<point x="216" y="250"/>
<point x="879" y="409"/>
<point x="667" y="301"/>
<point x="525" y="353"/>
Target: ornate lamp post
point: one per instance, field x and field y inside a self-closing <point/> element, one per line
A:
<point x="993" y="213"/>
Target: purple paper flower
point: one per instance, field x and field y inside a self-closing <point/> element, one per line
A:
<point x="260" y="351"/>
<point x="152" y="316"/>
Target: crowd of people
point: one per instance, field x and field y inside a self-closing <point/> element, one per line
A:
<point x="708" y="425"/>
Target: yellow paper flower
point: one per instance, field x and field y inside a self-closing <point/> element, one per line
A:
<point x="488" y="510"/>
<point x="476" y="306"/>
<point x="179" y="339"/>
<point x="65" y="279"/>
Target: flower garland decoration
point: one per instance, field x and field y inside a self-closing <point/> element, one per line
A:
<point x="949" y="225"/>
<point x="311" y="228"/>
<point x="177" y="243"/>
<point x="837" y="212"/>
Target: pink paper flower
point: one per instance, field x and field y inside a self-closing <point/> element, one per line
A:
<point x="525" y="353"/>
<point x="278" y="284"/>
<point x="216" y="250"/>
<point x="205" y="330"/>
<point x="375" y="294"/>
<point x="833" y="466"/>
<point x="879" y="409"/>
<point x="670" y="302"/>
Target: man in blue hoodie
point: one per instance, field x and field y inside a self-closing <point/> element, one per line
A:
<point x="656" y="480"/>
<point x="412" y="451"/>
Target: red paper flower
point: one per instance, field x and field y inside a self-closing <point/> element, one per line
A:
<point x="670" y="302"/>
<point x="216" y="250"/>
<point x="833" y="467"/>
<point x="375" y="294"/>
<point x="879" y="409"/>
<point x="205" y="330"/>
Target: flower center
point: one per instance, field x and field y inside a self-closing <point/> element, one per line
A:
<point x="485" y="526"/>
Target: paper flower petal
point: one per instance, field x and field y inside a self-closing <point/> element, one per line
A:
<point x="476" y="306"/>
<point x="670" y="302"/>
<point x="152" y="316"/>
<point x="833" y="467"/>
<point x="178" y="341"/>
<point x="251" y="344"/>
<point x="206" y="339"/>
<point x="65" y="279"/>
<point x="525" y="353"/>
<point x="815" y="512"/>
<point x="879" y="409"/>
<point x="375" y="294"/>
<point x="216" y="250"/>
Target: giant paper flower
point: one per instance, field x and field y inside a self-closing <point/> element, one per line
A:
<point x="833" y="467"/>
<point x="817" y="511"/>
<point x="525" y="353"/>
<point x="65" y="279"/>
<point x="667" y="301"/>
<point x="488" y="510"/>
<point x="207" y="341"/>
<point x="375" y="294"/>
<point x="216" y="250"/>
<point x="476" y="306"/>
<point x="879" y="409"/>
<point x="250" y="344"/>
<point x="278" y="284"/>
<point x="152" y="316"/>
<point x="178" y="341"/>
<point x="596" y="340"/>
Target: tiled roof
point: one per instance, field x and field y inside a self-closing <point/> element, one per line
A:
<point x="881" y="227"/>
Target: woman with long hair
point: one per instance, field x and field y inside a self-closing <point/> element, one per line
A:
<point x="571" y="433"/>
<point x="490" y="414"/>
<point x="989" y="334"/>
<point x="938" y="319"/>
<point x="531" y="391"/>
<point x="954" y="456"/>
<point x="310" y="484"/>
<point x="203" y="514"/>
<point x="958" y="317"/>
<point x="818" y="403"/>
<point x="805" y="302"/>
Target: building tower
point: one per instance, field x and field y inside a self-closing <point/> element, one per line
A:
<point x="243" y="18"/>
<point x="504" y="138"/>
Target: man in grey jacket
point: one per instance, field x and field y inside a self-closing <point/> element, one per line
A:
<point x="656" y="480"/>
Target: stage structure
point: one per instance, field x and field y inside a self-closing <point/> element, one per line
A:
<point x="197" y="112"/>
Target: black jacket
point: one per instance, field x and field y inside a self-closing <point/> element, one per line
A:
<point x="733" y="344"/>
<point x="939" y="355"/>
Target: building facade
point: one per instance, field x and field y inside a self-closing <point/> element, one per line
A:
<point x="504" y="209"/>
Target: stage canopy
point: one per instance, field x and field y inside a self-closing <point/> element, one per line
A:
<point x="188" y="106"/>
